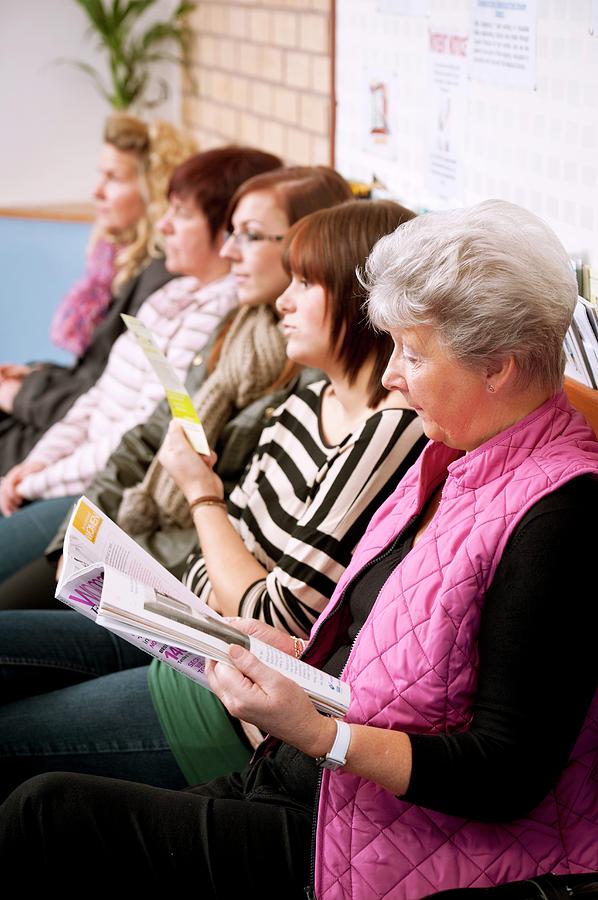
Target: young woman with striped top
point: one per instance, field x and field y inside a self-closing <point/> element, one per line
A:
<point x="332" y="453"/>
<point x="328" y="451"/>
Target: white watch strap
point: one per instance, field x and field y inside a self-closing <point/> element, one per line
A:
<point x="342" y="741"/>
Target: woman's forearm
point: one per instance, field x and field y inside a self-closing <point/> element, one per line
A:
<point x="231" y="567"/>
<point x="380" y="755"/>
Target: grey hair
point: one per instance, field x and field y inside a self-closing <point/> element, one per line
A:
<point x="492" y="279"/>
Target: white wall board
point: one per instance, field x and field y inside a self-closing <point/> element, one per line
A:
<point x="536" y="145"/>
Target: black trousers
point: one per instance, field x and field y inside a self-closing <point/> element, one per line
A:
<point x="238" y="836"/>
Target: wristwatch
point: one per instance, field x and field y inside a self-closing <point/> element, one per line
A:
<point x="337" y="757"/>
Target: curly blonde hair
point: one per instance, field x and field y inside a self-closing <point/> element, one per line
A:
<point x="159" y="147"/>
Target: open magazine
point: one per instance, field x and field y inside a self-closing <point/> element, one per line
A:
<point x="110" y="579"/>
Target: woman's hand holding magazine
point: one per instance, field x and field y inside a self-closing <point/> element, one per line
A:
<point x="253" y="692"/>
<point x="113" y="581"/>
<point x="266" y="633"/>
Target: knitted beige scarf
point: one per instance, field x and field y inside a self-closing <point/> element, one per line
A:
<point x="251" y="359"/>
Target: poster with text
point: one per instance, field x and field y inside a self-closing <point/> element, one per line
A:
<point x="503" y="42"/>
<point x="447" y="88"/>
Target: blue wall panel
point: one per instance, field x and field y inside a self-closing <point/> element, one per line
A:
<point x="39" y="261"/>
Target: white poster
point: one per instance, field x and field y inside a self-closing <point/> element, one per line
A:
<point x="594" y="19"/>
<point x="447" y="87"/>
<point x="503" y="46"/>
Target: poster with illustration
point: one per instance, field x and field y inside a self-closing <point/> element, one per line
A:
<point x="380" y="114"/>
<point x="447" y="117"/>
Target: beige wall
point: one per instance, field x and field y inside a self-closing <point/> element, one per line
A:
<point x="263" y="74"/>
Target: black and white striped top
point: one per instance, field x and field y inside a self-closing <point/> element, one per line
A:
<point x="302" y="505"/>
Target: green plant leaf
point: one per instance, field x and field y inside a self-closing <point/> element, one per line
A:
<point x="162" y="56"/>
<point x="132" y="52"/>
<point x="94" y="9"/>
<point x="158" y="33"/>
<point x="183" y="8"/>
<point x="135" y="9"/>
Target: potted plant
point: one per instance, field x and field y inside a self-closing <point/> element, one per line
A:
<point x="134" y="48"/>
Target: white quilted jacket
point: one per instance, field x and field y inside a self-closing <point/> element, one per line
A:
<point x="181" y="316"/>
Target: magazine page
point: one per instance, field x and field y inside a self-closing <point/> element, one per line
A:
<point x="153" y="614"/>
<point x="148" y="610"/>
<point x="107" y="576"/>
<point x="83" y="593"/>
<point x="587" y="339"/>
<point x="92" y="537"/>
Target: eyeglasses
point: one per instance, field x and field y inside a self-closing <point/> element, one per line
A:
<point x="250" y="237"/>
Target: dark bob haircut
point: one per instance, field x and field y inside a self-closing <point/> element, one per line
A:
<point x="327" y="248"/>
<point x="211" y="178"/>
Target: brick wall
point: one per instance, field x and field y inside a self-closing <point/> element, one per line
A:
<point x="263" y="74"/>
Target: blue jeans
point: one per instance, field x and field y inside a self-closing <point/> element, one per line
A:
<point x="75" y="698"/>
<point x="25" y="535"/>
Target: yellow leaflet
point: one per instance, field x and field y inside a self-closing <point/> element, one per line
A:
<point x="181" y="406"/>
<point x="179" y="401"/>
<point x="143" y="336"/>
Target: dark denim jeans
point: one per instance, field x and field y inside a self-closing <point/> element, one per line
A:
<point x="75" y="698"/>
<point x="25" y="535"/>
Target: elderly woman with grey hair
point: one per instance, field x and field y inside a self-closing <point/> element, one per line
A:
<point x="465" y="626"/>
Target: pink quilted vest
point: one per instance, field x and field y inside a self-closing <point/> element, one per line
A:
<point x="414" y="667"/>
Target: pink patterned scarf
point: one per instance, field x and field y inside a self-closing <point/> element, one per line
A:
<point x="87" y="302"/>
